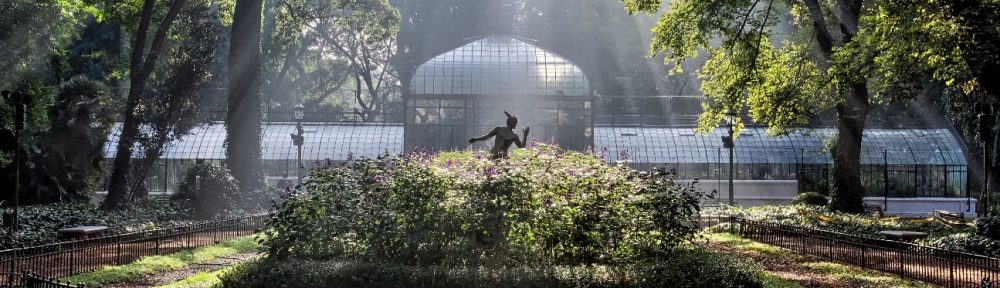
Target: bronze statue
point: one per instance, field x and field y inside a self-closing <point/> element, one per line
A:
<point x="504" y="137"/>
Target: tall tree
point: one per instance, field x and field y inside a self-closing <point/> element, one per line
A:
<point x="954" y="42"/>
<point x="143" y="60"/>
<point x="779" y="85"/>
<point x="243" y="118"/>
<point x="171" y="107"/>
<point x="361" y="33"/>
<point x="979" y="41"/>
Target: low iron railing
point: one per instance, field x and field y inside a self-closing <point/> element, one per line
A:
<point x="74" y="257"/>
<point x="932" y="265"/>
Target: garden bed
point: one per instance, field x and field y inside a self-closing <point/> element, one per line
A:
<point x="543" y="218"/>
<point x="39" y="224"/>
<point x="963" y="238"/>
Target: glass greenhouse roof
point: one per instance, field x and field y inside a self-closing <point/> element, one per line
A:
<point x="683" y="145"/>
<point x="322" y="141"/>
<point x="653" y="145"/>
<point x="499" y="65"/>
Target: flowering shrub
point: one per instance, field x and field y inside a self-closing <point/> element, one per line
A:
<point x="541" y="206"/>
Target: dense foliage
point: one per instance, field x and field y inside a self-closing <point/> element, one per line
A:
<point x="811" y="199"/>
<point x="39" y="223"/>
<point x="940" y="235"/>
<point x="543" y="218"/>
<point x="687" y="268"/>
<point x="210" y="191"/>
<point x="69" y="157"/>
<point x="822" y="218"/>
<point x="540" y="206"/>
<point x="966" y="242"/>
<point x="62" y="145"/>
<point x="989" y="226"/>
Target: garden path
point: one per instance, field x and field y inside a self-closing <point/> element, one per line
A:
<point x="784" y="263"/>
<point x="177" y="275"/>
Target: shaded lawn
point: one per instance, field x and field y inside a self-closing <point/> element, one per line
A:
<point x="151" y="265"/>
<point x="803" y="269"/>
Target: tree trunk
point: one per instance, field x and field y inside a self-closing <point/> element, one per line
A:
<point x="243" y="119"/>
<point x="140" y="67"/>
<point x="848" y="193"/>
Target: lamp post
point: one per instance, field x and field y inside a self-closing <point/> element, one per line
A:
<point x="20" y="102"/>
<point x="300" y="113"/>
<point x="727" y="142"/>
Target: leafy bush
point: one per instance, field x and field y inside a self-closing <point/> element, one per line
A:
<point x="39" y="223"/>
<point x="211" y="191"/>
<point x="542" y="206"/>
<point x="682" y="268"/>
<point x="817" y="217"/>
<point x="989" y="226"/>
<point x="811" y="199"/>
<point x="966" y="242"/>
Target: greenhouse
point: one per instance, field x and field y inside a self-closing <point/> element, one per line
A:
<point x="463" y="93"/>
<point x="916" y="162"/>
<point x="323" y="142"/>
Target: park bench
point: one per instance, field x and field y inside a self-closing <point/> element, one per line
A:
<point x="82" y="232"/>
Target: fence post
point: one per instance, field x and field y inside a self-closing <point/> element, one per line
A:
<point x="72" y="259"/>
<point x="732" y="225"/>
<point x="902" y="267"/>
<point x="118" y="253"/>
<point x="864" y="257"/>
<point x="951" y="268"/>
<point x="13" y="265"/>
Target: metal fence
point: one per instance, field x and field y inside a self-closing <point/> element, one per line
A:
<point x="74" y="257"/>
<point x="937" y="266"/>
<point x="31" y="280"/>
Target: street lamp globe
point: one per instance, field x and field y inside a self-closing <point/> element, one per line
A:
<point x="299" y="112"/>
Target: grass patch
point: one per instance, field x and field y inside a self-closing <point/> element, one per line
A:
<point x="163" y="263"/>
<point x="202" y="279"/>
<point x="693" y="268"/>
<point x="749" y="245"/>
<point x="861" y="277"/>
<point x="769" y="280"/>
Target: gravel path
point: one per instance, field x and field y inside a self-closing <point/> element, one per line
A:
<point x="177" y="275"/>
<point x="790" y="268"/>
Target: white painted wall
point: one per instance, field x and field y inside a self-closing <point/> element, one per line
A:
<point x="924" y="206"/>
<point x="752" y="192"/>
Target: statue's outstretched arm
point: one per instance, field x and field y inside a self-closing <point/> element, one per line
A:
<point x="518" y="141"/>
<point x="484" y="137"/>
